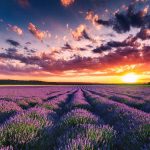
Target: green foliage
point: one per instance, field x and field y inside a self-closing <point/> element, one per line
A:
<point x="18" y="134"/>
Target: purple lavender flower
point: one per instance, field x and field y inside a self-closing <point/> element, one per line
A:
<point x="7" y="109"/>
<point x="87" y="137"/>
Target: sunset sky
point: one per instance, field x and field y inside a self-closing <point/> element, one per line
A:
<point x="74" y="40"/>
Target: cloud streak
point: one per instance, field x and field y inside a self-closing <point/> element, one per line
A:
<point x="13" y="42"/>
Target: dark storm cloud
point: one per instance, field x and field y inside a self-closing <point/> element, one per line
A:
<point x="86" y="36"/>
<point x="82" y="49"/>
<point x="13" y="42"/>
<point x="28" y="43"/>
<point x="123" y="21"/>
<point x="89" y="46"/>
<point x="29" y="51"/>
<point x="144" y="34"/>
<point x="102" y="48"/>
<point x="104" y="22"/>
<point x="11" y="50"/>
<point x="26" y="48"/>
<point x="122" y="56"/>
<point x="17" y="44"/>
<point x="131" y="41"/>
<point x="32" y="50"/>
<point x="20" y="57"/>
<point x="117" y="44"/>
<point x="146" y="53"/>
<point x="67" y="46"/>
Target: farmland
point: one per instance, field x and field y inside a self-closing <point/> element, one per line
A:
<point x="104" y="117"/>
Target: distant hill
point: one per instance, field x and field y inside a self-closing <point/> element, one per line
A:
<point x="23" y="82"/>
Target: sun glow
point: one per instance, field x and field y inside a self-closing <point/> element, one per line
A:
<point x="130" y="78"/>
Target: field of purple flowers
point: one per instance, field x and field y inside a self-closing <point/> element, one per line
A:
<point x="105" y="117"/>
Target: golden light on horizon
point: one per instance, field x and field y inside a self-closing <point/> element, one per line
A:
<point x="130" y="78"/>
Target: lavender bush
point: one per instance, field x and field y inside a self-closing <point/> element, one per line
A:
<point x="87" y="136"/>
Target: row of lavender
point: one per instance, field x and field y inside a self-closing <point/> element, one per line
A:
<point x="73" y="118"/>
<point x="134" y="96"/>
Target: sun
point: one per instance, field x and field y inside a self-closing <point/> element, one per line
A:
<point x="130" y="78"/>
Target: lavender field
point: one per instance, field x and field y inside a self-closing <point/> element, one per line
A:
<point x="106" y="117"/>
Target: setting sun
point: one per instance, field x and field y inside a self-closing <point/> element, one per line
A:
<point x="130" y="78"/>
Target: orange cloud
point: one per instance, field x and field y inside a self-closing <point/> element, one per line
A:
<point x="144" y="12"/>
<point x="93" y="18"/>
<point x="40" y="35"/>
<point x="80" y="33"/>
<point x="67" y="3"/>
<point x="16" y="29"/>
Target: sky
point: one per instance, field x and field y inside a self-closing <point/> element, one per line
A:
<point x="74" y="40"/>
